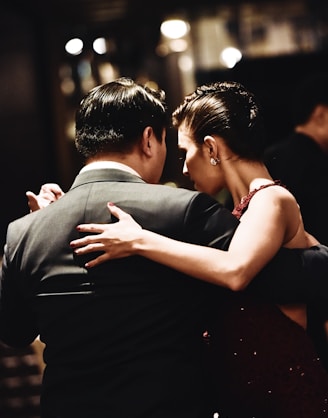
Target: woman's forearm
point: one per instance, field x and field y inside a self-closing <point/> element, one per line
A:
<point x="208" y="264"/>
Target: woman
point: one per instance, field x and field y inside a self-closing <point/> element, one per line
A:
<point x="268" y="366"/>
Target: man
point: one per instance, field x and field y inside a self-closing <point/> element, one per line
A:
<point x="123" y="339"/>
<point x="301" y="163"/>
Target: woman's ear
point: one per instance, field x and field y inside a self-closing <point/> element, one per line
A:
<point x="211" y="145"/>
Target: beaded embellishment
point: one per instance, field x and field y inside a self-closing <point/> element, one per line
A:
<point x="243" y="205"/>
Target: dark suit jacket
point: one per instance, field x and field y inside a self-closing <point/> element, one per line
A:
<point x="303" y="167"/>
<point x="123" y="340"/>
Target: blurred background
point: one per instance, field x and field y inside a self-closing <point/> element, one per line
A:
<point x="53" y="51"/>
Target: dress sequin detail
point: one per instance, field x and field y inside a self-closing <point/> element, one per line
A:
<point x="243" y="205"/>
<point x="263" y="364"/>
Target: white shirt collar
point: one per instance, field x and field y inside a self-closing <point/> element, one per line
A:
<point x="108" y="164"/>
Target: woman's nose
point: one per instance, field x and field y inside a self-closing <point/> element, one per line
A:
<point x="185" y="169"/>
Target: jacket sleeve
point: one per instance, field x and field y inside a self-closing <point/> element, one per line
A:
<point x="17" y="320"/>
<point x="208" y="222"/>
<point x="294" y="276"/>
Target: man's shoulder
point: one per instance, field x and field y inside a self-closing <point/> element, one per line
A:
<point x="294" y="153"/>
<point x="174" y="188"/>
<point x="280" y="146"/>
<point x="291" y="143"/>
<point x="165" y="191"/>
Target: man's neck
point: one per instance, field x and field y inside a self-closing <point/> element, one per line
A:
<point x="96" y="165"/>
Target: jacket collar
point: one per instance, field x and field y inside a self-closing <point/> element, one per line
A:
<point x="105" y="175"/>
<point x="109" y="164"/>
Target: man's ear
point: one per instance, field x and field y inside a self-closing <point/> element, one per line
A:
<point x="319" y="114"/>
<point x="147" y="141"/>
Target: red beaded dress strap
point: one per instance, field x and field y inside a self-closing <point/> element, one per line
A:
<point x="243" y="205"/>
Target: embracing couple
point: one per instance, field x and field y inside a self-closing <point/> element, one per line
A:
<point x="173" y="307"/>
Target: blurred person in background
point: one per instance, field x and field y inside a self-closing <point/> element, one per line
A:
<point x="300" y="161"/>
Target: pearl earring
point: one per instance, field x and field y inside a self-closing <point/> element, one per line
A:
<point x="214" y="161"/>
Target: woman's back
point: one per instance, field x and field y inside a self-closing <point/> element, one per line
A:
<point x="295" y="236"/>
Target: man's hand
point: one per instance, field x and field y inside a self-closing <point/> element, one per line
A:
<point x="49" y="193"/>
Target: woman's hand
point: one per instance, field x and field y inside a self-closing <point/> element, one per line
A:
<point x="48" y="193"/>
<point x="116" y="240"/>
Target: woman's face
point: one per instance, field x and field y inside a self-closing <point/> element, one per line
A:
<point x="206" y="177"/>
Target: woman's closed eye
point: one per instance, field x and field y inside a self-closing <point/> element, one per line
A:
<point x="181" y="155"/>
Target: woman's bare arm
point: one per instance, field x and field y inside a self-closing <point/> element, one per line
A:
<point x="257" y="239"/>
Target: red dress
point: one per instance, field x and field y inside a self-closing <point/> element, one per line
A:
<point x="264" y="364"/>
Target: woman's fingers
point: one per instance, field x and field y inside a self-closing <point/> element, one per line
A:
<point x="114" y="240"/>
<point x="96" y="261"/>
<point x="49" y="193"/>
<point x="93" y="228"/>
<point x="52" y="189"/>
<point x="89" y="248"/>
<point x="88" y="240"/>
<point x="32" y="201"/>
<point x="117" y="212"/>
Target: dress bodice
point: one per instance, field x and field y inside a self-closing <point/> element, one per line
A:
<point x="243" y="204"/>
<point x="263" y="364"/>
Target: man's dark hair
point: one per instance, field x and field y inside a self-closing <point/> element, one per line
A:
<point x="112" y="117"/>
<point x="312" y="91"/>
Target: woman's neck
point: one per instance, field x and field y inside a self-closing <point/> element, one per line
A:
<point x="247" y="176"/>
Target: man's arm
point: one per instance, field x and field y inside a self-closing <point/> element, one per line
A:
<point x="294" y="276"/>
<point x="18" y="325"/>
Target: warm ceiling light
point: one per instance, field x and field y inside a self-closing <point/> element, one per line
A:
<point x="174" y="28"/>
<point x="230" y="56"/>
<point x="99" y="46"/>
<point x="74" y="46"/>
